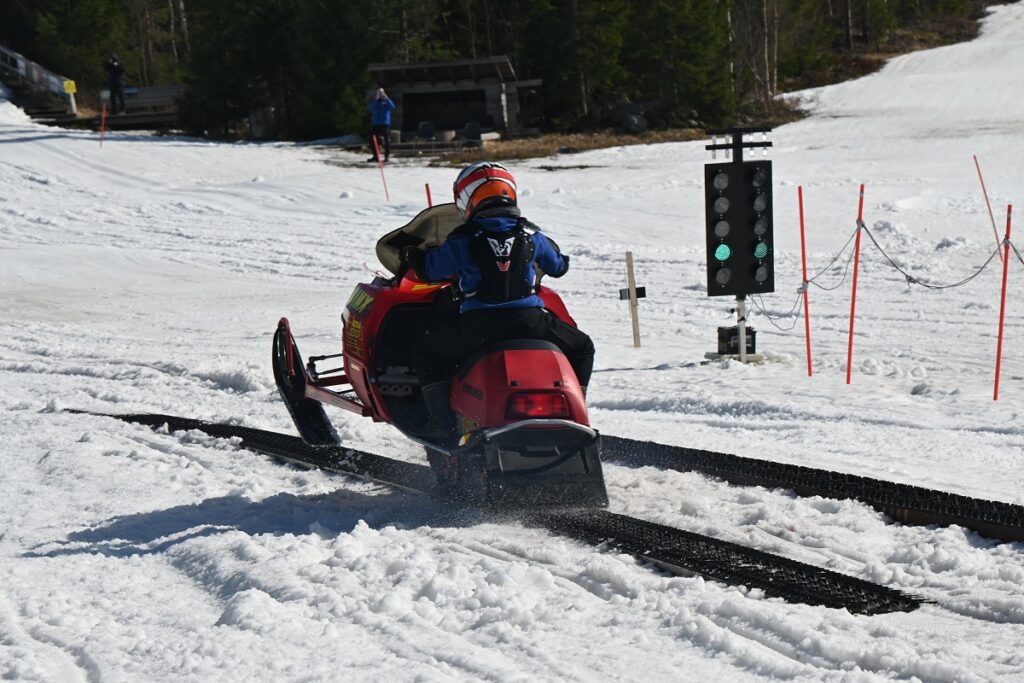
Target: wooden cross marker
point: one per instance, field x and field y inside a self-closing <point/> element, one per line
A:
<point x="632" y="293"/>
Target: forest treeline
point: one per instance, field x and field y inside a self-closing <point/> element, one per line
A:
<point x="689" y="62"/>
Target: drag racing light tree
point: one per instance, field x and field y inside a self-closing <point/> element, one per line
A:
<point x="738" y="224"/>
<point x="738" y="201"/>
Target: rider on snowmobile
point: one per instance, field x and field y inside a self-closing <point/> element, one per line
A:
<point x="493" y="256"/>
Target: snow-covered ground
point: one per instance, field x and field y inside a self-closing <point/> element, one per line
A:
<point x="147" y="275"/>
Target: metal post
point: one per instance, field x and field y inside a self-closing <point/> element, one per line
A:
<point x="741" y="324"/>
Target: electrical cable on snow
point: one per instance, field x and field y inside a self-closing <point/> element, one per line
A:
<point x="759" y="304"/>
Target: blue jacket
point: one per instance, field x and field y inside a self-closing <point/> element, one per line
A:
<point x="380" y="111"/>
<point x="452" y="258"/>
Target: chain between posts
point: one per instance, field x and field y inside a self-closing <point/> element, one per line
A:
<point x="910" y="279"/>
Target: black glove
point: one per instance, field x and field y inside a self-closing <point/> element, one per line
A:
<point x="414" y="258"/>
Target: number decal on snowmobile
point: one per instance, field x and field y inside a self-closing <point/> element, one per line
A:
<point x="354" y="336"/>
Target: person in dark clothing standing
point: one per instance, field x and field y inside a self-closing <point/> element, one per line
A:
<point x="493" y="255"/>
<point x="115" y="78"/>
<point x="381" y="107"/>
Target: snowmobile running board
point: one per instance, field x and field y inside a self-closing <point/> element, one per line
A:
<point x="673" y="550"/>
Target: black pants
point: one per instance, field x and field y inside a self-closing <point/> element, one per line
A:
<point x="382" y="131"/>
<point x="448" y="339"/>
<point x="116" y="98"/>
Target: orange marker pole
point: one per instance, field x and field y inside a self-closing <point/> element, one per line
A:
<point x="803" y="256"/>
<point x="1002" y="301"/>
<point x="856" y="267"/>
<point x="103" y="123"/>
<point x="984" y="191"/>
<point x="430" y="202"/>
<point x="380" y="165"/>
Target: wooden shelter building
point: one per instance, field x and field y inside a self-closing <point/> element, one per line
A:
<point x="481" y="94"/>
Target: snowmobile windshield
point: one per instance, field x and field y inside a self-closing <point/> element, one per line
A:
<point x="428" y="229"/>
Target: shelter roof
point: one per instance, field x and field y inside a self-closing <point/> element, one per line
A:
<point x="486" y="68"/>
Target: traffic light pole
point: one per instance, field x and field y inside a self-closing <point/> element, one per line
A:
<point x="741" y="325"/>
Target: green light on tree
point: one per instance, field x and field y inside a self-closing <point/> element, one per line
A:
<point x="723" y="252"/>
<point x="761" y="250"/>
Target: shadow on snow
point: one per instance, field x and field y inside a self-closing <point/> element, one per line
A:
<point x="331" y="514"/>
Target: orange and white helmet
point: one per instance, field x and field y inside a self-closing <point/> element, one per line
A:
<point x="484" y="184"/>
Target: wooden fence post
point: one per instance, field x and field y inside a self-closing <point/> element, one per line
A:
<point x="631" y="284"/>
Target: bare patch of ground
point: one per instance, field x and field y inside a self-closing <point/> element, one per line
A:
<point x="553" y="143"/>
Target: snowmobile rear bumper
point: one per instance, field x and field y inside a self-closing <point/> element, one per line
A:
<point x="529" y="464"/>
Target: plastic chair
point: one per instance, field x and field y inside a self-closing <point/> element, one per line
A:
<point x="471" y="131"/>
<point x="425" y="131"/>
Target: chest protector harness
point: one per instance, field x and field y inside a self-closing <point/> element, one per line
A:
<point x="505" y="260"/>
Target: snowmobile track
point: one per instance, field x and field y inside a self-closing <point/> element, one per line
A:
<point x="903" y="502"/>
<point x="676" y="551"/>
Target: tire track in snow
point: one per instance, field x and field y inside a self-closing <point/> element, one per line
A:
<point x="60" y="660"/>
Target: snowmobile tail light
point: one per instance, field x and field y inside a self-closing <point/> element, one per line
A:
<point x="527" y="405"/>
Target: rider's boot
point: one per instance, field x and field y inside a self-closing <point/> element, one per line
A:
<point x="441" y="425"/>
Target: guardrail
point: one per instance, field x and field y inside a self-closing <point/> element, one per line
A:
<point x="38" y="78"/>
<point x="148" y="98"/>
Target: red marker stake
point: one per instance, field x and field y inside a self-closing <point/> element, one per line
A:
<point x="430" y="202"/>
<point x="380" y="165"/>
<point x="984" y="191"/>
<point x="1002" y="301"/>
<point x="803" y="256"/>
<point x="103" y="123"/>
<point x="856" y="267"/>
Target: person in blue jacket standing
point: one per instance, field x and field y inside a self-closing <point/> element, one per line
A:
<point x="381" y="107"/>
<point x="493" y="256"/>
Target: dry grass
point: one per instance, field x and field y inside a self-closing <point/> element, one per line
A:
<point x="547" y="145"/>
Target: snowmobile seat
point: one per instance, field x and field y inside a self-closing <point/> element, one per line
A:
<point x="525" y="344"/>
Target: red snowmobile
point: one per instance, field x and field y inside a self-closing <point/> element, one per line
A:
<point x="524" y="439"/>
